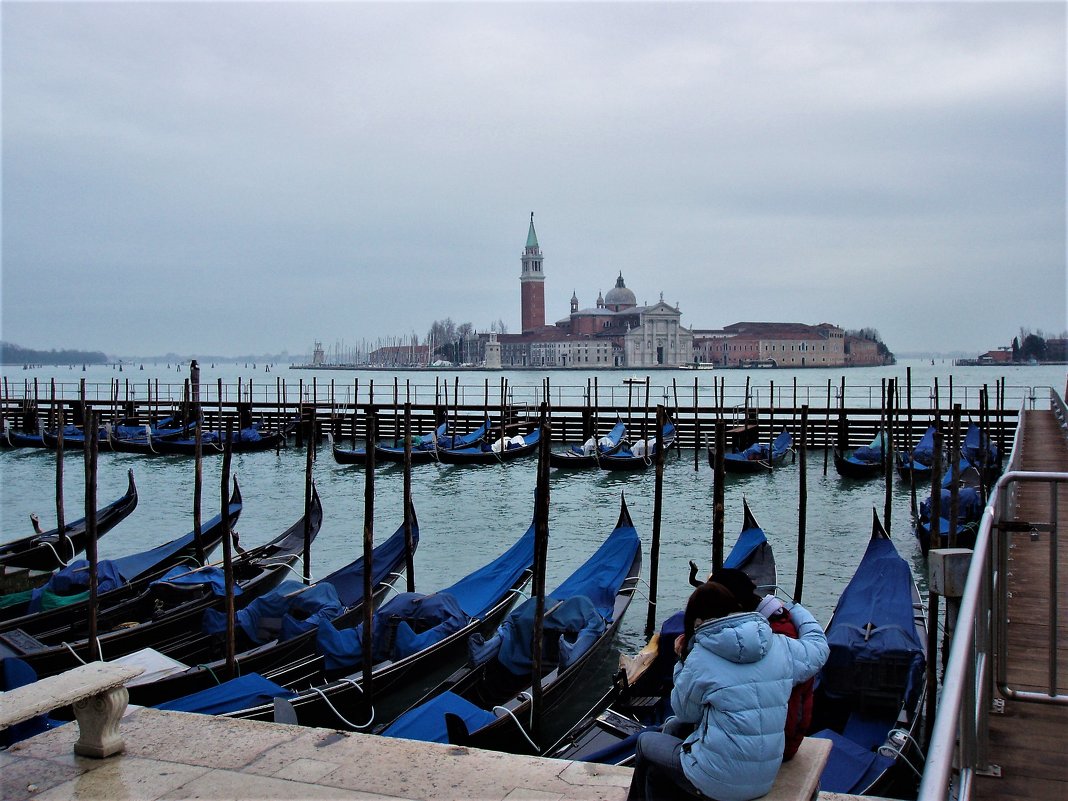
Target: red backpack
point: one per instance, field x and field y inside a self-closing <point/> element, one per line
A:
<point x="799" y="710"/>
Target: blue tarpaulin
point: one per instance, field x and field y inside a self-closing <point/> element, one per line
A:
<point x="290" y="609"/>
<point x="427" y="722"/>
<point x="873" y="622"/>
<point x="209" y="576"/>
<point x="240" y="693"/>
<point x="434" y="617"/>
<point x="74" y="580"/>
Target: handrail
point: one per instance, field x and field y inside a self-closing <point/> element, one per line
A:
<point x="959" y="738"/>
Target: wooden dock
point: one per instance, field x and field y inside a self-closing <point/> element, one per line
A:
<point x="695" y="423"/>
<point x="1028" y="741"/>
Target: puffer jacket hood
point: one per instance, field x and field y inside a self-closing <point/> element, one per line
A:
<point x="742" y="638"/>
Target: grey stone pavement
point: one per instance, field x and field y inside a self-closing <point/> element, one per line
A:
<point x="173" y="755"/>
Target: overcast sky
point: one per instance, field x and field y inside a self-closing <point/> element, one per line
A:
<point x="251" y="177"/>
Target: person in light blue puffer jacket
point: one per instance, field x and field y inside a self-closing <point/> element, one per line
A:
<point x="732" y="687"/>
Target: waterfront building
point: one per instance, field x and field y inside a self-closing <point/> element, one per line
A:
<point x="773" y="344"/>
<point x="616" y="332"/>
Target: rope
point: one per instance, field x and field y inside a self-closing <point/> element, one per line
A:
<point x="341" y="717"/>
<point x="55" y="553"/>
<point x="212" y="672"/>
<point x="890" y="751"/>
<point x="505" y="711"/>
<point x="67" y="645"/>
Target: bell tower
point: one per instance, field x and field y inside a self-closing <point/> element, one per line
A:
<point x="532" y="283"/>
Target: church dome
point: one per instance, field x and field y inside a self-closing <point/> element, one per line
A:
<point x="619" y="297"/>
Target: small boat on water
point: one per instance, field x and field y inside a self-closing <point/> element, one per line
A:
<point x="415" y="637"/>
<point x="54" y="549"/>
<point x="757" y="458"/>
<point x="352" y="455"/>
<point x="486" y="703"/>
<point x="588" y="455"/>
<point x="864" y="462"/>
<point x="174" y="606"/>
<point x="64" y="598"/>
<point x="247" y="440"/>
<point x="982" y="454"/>
<point x="870" y="695"/>
<point x="425" y="450"/>
<point x="919" y="461"/>
<point x="504" y="449"/>
<point x="969" y="511"/>
<point x="638" y="455"/>
<point x="277" y="628"/>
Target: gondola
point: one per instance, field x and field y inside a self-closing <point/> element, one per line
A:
<point x="416" y="637"/>
<point x="248" y="440"/>
<point x="969" y="511"/>
<point x="10" y="438"/>
<point x="588" y="455"/>
<point x="581" y="617"/>
<point x="870" y="694"/>
<point x="757" y="458"/>
<point x="346" y="455"/>
<point x="277" y="628"/>
<point x="174" y="607"/>
<point x="46" y="608"/>
<point x="426" y="451"/>
<point x="74" y="436"/>
<point x="639" y="697"/>
<point x="864" y="462"/>
<point x="638" y="455"/>
<point x="502" y="450"/>
<point x="53" y="549"/>
<point x="918" y="462"/>
<point x="982" y="454"/>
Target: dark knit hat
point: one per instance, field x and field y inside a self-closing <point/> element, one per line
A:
<point x="739" y="583"/>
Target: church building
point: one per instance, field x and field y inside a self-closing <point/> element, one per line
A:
<point x="616" y="332"/>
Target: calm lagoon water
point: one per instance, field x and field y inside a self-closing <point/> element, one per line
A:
<point x="469" y="515"/>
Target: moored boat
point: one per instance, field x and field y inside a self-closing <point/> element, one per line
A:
<point x="485" y="703"/>
<point x="756" y="458"/>
<point x="864" y="462"/>
<point x="277" y="628"/>
<point x="639" y="455"/>
<point x="869" y="696"/>
<point x="53" y="549"/>
<point x="588" y="455"/>
<point x="415" y="637"/>
<point x="174" y="606"/>
<point x="45" y="608"/>
<point x="504" y="449"/>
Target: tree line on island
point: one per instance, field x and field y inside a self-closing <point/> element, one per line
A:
<point x="16" y="354"/>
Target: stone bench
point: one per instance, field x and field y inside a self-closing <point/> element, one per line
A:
<point x="98" y="694"/>
<point x="799" y="779"/>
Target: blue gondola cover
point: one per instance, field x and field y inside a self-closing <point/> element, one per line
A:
<point x="427" y="721"/>
<point x="212" y="577"/>
<point x="438" y="615"/>
<point x="290" y="609"/>
<point x="873" y="628"/>
<point x="240" y="693"/>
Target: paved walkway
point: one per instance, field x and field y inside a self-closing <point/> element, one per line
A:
<point x="173" y="755"/>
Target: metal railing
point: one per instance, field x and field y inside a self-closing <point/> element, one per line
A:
<point x="959" y="746"/>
